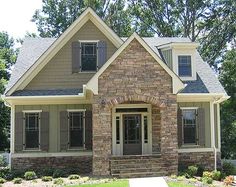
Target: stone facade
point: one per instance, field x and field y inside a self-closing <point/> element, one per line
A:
<point x="83" y="164"/>
<point x="205" y="159"/>
<point x="135" y="76"/>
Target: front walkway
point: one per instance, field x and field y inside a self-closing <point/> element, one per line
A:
<point x="148" y="182"/>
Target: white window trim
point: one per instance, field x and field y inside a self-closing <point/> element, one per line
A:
<point x="24" y="134"/>
<point x="185" y="52"/>
<point x="71" y="111"/>
<point x="89" y="41"/>
<point x="197" y="142"/>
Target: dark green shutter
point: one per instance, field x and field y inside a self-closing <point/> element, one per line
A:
<point x="102" y="53"/>
<point x="64" y="130"/>
<point x="44" y="131"/>
<point x="19" y="119"/>
<point x="180" y="127"/>
<point x="201" y="126"/>
<point x="88" y="130"/>
<point x="76" y="57"/>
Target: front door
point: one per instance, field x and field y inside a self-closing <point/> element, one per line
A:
<point x="132" y="134"/>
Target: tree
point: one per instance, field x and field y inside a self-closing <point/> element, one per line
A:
<point x="57" y="15"/>
<point x="228" y="110"/>
<point x="7" y="59"/>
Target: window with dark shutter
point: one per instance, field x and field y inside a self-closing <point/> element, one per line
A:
<point x="32" y="126"/>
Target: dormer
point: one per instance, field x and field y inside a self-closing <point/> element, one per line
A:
<point x="181" y="58"/>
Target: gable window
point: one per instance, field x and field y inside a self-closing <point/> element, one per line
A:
<point x="76" y="129"/>
<point x="32" y="126"/>
<point x="89" y="56"/>
<point x="190" y="135"/>
<point x="185" y="66"/>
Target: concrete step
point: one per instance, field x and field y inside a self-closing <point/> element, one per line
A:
<point x="134" y="170"/>
<point x="139" y="174"/>
<point x="137" y="166"/>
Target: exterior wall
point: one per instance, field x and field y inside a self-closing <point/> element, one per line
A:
<point x="54" y="120"/>
<point x="82" y="164"/>
<point x="126" y="79"/>
<point x="168" y="57"/>
<point x="205" y="159"/>
<point x="206" y="107"/>
<point x="58" y="72"/>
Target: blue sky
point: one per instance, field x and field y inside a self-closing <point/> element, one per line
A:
<point x="15" y="16"/>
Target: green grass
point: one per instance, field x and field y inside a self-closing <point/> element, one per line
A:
<point x="122" y="183"/>
<point x="178" y="184"/>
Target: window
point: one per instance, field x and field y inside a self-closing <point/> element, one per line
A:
<point x="145" y="123"/>
<point x="189" y="126"/>
<point x="117" y="130"/>
<point x="76" y="129"/>
<point x="89" y="56"/>
<point x="32" y="124"/>
<point x="185" y="66"/>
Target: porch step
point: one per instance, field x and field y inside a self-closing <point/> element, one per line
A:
<point x="137" y="166"/>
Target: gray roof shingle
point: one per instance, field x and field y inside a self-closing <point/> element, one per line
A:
<point x="47" y="92"/>
<point x="33" y="48"/>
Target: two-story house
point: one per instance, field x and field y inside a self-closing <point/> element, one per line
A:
<point x="137" y="106"/>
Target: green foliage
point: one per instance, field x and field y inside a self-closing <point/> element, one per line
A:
<point x="56" y="15"/>
<point x="228" y="109"/>
<point x="207" y="180"/>
<point x="191" y="171"/>
<point x="4" y="172"/>
<point x="45" y="172"/>
<point x="2" y="161"/>
<point x="46" y="178"/>
<point x="73" y="177"/>
<point x="228" y="168"/>
<point x="17" y="180"/>
<point x="58" y="181"/>
<point x="2" y="180"/>
<point x="30" y="175"/>
<point x="207" y="174"/>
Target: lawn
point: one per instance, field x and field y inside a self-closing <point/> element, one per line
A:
<point x="178" y="184"/>
<point x="122" y="183"/>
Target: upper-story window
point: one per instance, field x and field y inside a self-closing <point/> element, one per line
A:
<point x="185" y="66"/>
<point x="89" y="56"/>
<point x="32" y="124"/>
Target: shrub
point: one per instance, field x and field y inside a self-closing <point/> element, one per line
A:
<point x="191" y="171"/>
<point x="73" y="177"/>
<point x="17" y="180"/>
<point x="216" y="175"/>
<point x="30" y="175"/>
<point x="3" y="162"/>
<point x="58" y="181"/>
<point x="228" y="168"/>
<point x="2" y="180"/>
<point x="207" y="174"/>
<point x="46" y="178"/>
<point x="4" y="172"/>
<point x="207" y="180"/>
<point x="200" y="170"/>
<point x="45" y="172"/>
<point x="58" y="173"/>
<point x="229" y="180"/>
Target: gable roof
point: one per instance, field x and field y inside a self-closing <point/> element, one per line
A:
<point x="52" y="50"/>
<point x="177" y="84"/>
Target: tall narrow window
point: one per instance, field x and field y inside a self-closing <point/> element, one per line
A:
<point x="117" y="130"/>
<point x="185" y="66"/>
<point x="88" y="56"/>
<point x="145" y="124"/>
<point x="76" y="129"/>
<point x="189" y="126"/>
<point x="32" y="130"/>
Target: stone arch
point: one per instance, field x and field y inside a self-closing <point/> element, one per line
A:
<point x="143" y="98"/>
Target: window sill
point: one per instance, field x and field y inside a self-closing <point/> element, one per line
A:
<point x="32" y="150"/>
<point x="190" y="146"/>
<point x="88" y="71"/>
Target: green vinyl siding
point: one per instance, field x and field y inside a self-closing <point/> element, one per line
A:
<point x="206" y="107"/>
<point x="54" y="120"/>
<point x="167" y="54"/>
<point x="216" y="125"/>
<point x="57" y="74"/>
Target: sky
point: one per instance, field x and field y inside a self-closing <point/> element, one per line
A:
<point x="15" y="16"/>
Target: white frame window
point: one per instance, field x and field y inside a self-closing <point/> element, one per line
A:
<point x="185" y="61"/>
<point x="27" y="127"/>
<point x="94" y="52"/>
<point x="189" y="121"/>
<point x="82" y="120"/>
